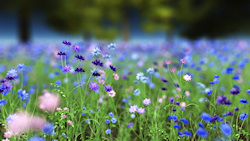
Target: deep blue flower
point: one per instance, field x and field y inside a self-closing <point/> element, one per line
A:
<point x="248" y="91"/>
<point x="124" y="100"/>
<point x="226" y="129"/>
<point x="236" y="109"/>
<point x="216" y="76"/>
<point x="209" y="92"/>
<point x="185" y="121"/>
<point x="177" y="103"/>
<point x="172" y="117"/>
<point x="66" y="42"/>
<point x="244" y="101"/>
<point x="163" y="88"/>
<point x="222" y="100"/>
<point x="206" y="117"/>
<point x="95" y="74"/>
<point x="112" y="68"/>
<point x="216" y="81"/>
<point x="234" y="91"/>
<point x="187" y="133"/>
<point x="108" y="131"/>
<point x="80" y="57"/>
<point x="229" y="113"/>
<point x="79" y="70"/>
<point x="61" y="53"/>
<point x="177" y="126"/>
<point x="179" y="133"/>
<point x="229" y="70"/>
<point x="48" y="128"/>
<point x="2" y="102"/>
<point x="243" y="116"/>
<point x="214" y="118"/>
<point x="202" y="132"/>
<point x="113" y="120"/>
<point x="201" y="125"/>
<point x="21" y="67"/>
<point x="22" y="94"/>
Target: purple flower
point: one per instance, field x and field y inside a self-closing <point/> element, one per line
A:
<point x="93" y="86"/>
<point x="66" y="42"/>
<point x="146" y="101"/>
<point x="234" y="91"/>
<point x="61" y="53"/>
<point x="80" y="57"/>
<point x="112" y="68"/>
<point x="130" y="124"/>
<point x="141" y="110"/>
<point x="164" y="80"/>
<point x="222" y="100"/>
<point x="236" y="109"/>
<point x="171" y="99"/>
<point x="66" y="68"/>
<point x="76" y="47"/>
<point x="133" y="109"/>
<point x="229" y="113"/>
<point x="108" y="88"/>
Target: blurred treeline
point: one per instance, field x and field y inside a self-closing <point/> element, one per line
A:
<point x="107" y="19"/>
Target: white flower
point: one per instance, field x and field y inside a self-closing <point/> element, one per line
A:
<point x="187" y="77"/>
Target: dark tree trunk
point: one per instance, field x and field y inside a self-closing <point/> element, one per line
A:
<point x="126" y="25"/>
<point x="24" y="26"/>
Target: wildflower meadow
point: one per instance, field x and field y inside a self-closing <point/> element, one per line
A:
<point x="125" y="91"/>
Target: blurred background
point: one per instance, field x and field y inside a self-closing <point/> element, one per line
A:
<point x="122" y="20"/>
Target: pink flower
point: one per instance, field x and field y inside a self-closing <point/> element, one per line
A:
<point x="101" y="71"/>
<point x="183" y="61"/>
<point x="141" y="110"/>
<point x="187" y="93"/>
<point x="116" y="76"/>
<point x="178" y="89"/>
<point x="160" y="100"/>
<point x="101" y="81"/>
<point x="146" y="101"/>
<point x="5" y="140"/>
<point x="133" y="109"/>
<point x="8" y="134"/>
<point x="37" y="123"/>
<point x="48" y="102"/>
<point x="112" y="93"/>
<point x="63" y="116"/>
<point x="59" y="109"/>
<point x="70" y="122"/>
<point x="187" y="77"/>
<point x="183" y="104"/>
<point x="178" y="96"/>
<point x="66" y="109"/>
<point x="172" y="70"/>
<point x="168" y="62"/>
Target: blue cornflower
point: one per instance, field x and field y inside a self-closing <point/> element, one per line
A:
<point x="209" y="92"/>
<point x="87" y="121"/>
<point x="107" y="121"/>
<point x="177" y="126"/>
<point x="106" y="56"/>
<point x="216" y="76"/>
<point x="201" y="125"/>
<point x="111" y="114"/>
<point x="206" y="117"/>
<point x="124" y="100"/>
<point x="202" y="132"/>
<point x="96" y="51"/>
<point x="12" y="72"/>
<point x="112" y="46"/>
<point x="179" y="133"/>
<point x="173" y="117"/>
<point x="36" y="138"/>
<point x="248" y="91"/>
<point x="2" y="102"/>
<point x="150" y="71"/>
<point x="136" y="92"/>
<point x="21" y="67"/>
<point x="216" y="81"/>
<point x="108" y="131"/>
<point x="48" y="128"/>
<point x="22" y="94"/>
<point x="243" y="116"/>
<point x="229" y="70"/>
<point x="185" y="121"/>
<point x="144" y="79"/>
<point x="113" y="120"/>
<point x="187" y="133"/>
<point x="226" y="129"/>
<point x="83" y="114"/>
<point x="244" y="101"/>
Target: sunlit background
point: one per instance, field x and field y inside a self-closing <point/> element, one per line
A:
<point x="122" y="20"/>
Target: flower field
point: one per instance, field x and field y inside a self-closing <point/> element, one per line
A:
<point x="125" y="91"/>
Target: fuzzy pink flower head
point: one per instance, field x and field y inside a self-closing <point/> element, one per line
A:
<point x="187" y="93"/>
<point x="23" y="122"/>
<point x="111" y="93"/>
<point x="168" y="62"/>
<point x="178" y="89"/>
<point x="66" y="109"/>
<point x="70" y="122"/>
<point x="141" y="110"/>
<point x="178" y="96"/>
<point x="8" y="134"/>
<point x="172" y="70"/>
<point x="63" y="116"/>
<point x="160" y="100"/>
<point x="48" y="102"/>
<point x="146" y="101"/>
<point x="164" y="97"/>
<point x="101" y="81"/>
<point x="101" y="71"/>
<point x="116" y="76"/>
<point x="187" y="77"/>
<point x="133" y="109"/>
<point x="183" y="104"/>
<point x="59" y="109"/>
<point x="5" y="140"/>
<point x="183" y="61"/>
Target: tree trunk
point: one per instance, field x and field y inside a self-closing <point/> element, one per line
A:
<point x="23" y="19"/>
<point x="126" y="25"/>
